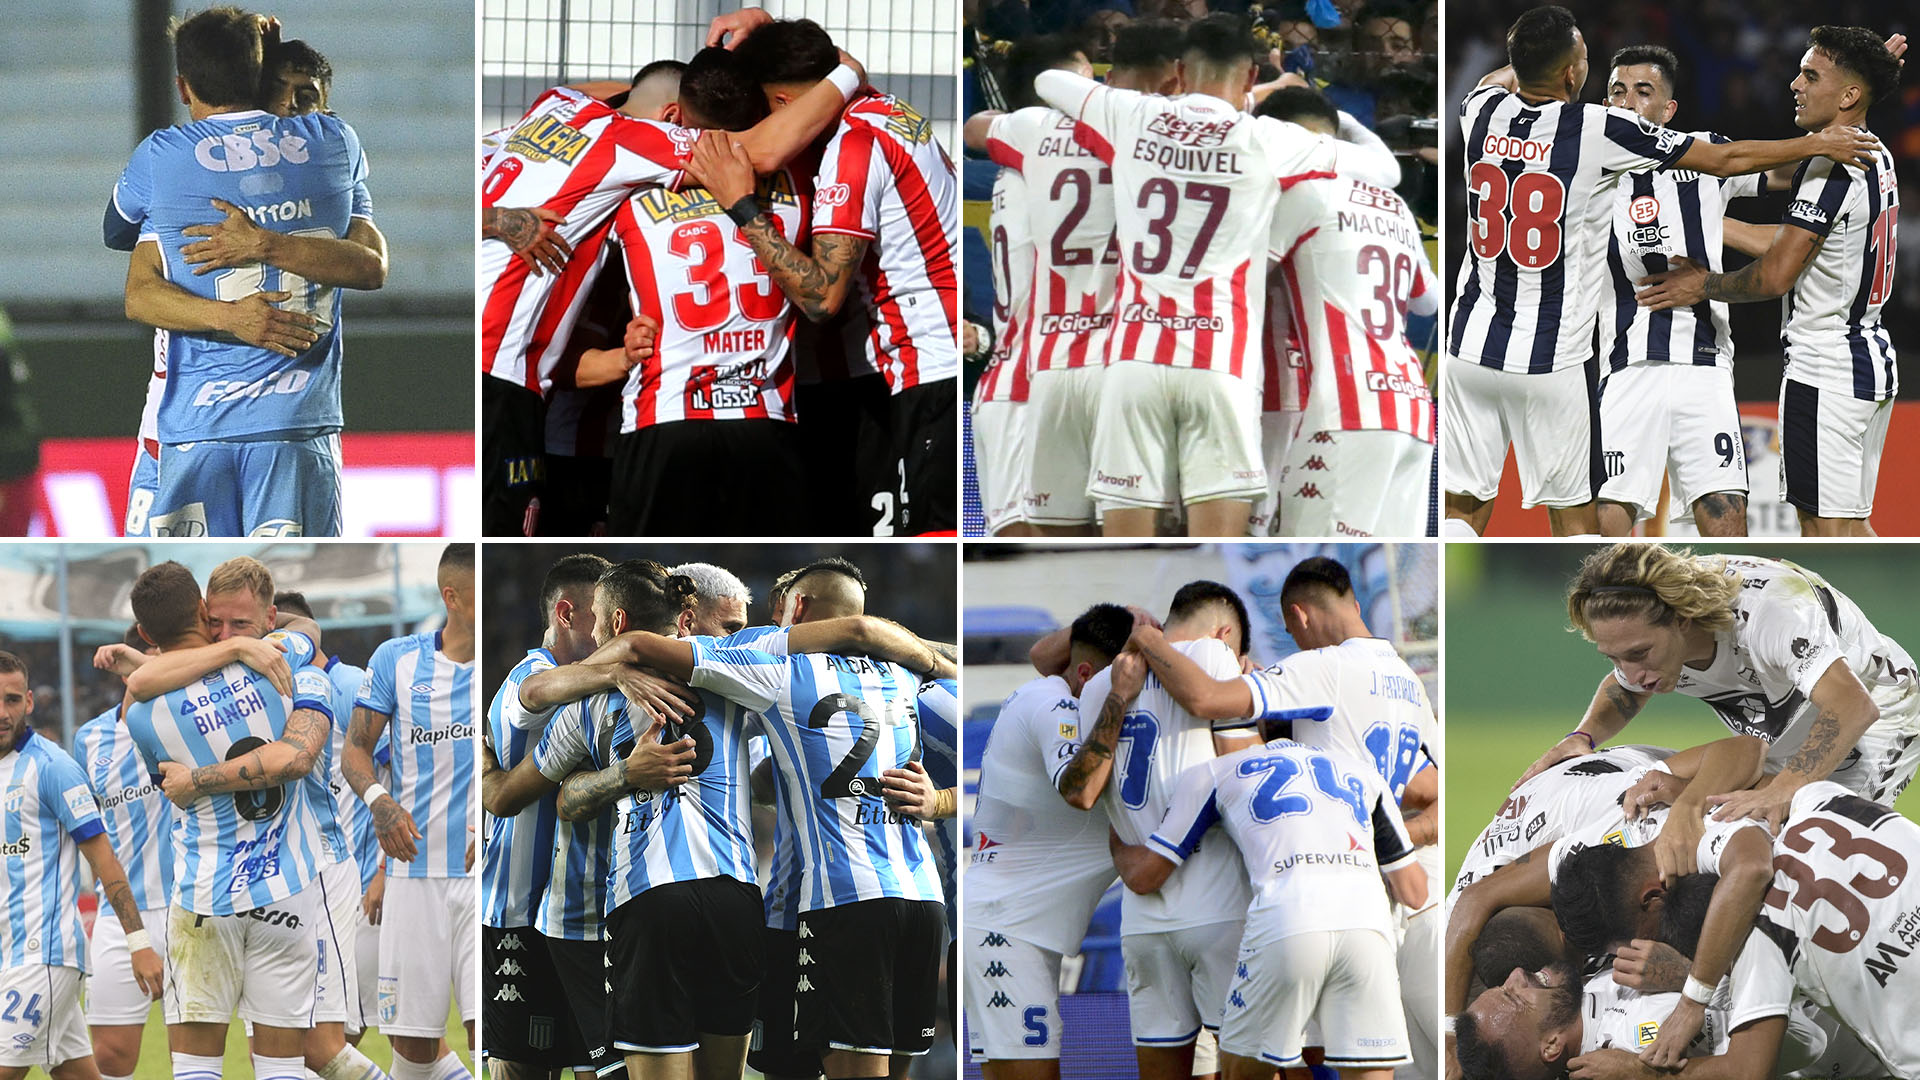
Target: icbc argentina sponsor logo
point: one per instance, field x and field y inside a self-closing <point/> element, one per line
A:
<point x="433" y="736"/>
<point x="1643" y="210"/>
<point x="1142" y="313"/>
<point x="1506" y="146"/>
<point x="1074" y="322"/>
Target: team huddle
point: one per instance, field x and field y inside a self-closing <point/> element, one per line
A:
<point x="1274" y="830"/>
<point x="1744" y="905"/>
<point x="627" y="924"/>
<point x="1200" y="312"/>
<point x="244" y="224"/>
<point x="752" y="182"/>
<point x="278" y="834"/>
<point x="1589" y="218"/>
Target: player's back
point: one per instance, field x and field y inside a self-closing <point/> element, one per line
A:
<point x="1830" y="321"/>
<point x="1070" y="219"/>
<point x="1039" y="865"/>
<point x="1009" y="368"/>
<point x="355" y="817"/>
<point x="1355" y="261"/>
<point x="137" y="814"/>
<point x="884" y="176"/>
<point x="1539" y="179"/>
<point x="298" y="175"/>
<point x="518" y="854"/>
<point x="235" y="852"/>
<point x="1158" y="742"/>
<point x="1358" y="699"/>
<point x="725" y="327"/>
<point x="579" y="157"/>
<point x="429" y="697"/>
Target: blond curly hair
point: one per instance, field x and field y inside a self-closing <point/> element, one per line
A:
<point x="1652" y="582"/>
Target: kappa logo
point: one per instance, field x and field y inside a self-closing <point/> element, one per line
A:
<point x="993" y="941"/>
<point x="805" y="931"/>
<point x="510" y="943"/>
<point x="1321" y="437"/>
<point x="1316" y="463"/>
<point x="1307" y="491"/>
<point x="1240" y="970"/>
<point x="1234" y="999"/>
<point x="996" y="970"/>
<point x="802" y="986"/>
<point x="999" y="1000"/>
<point x="806" y="958"/>
<point x="509" y="967"/>
<point x="509" y="992"/>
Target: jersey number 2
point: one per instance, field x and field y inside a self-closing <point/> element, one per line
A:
<point x="1272" y="800"/>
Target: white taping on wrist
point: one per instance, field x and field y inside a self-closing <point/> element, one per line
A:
<point x="846" y="80"/>
<point x="374" y="791"/>
<point x="138" y="939"/>
<point x="1446" y="1024"/>
<point x="1697" y="991"/>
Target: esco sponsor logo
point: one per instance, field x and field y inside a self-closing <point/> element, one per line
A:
<point x="221" y="391"/>
<point x="240" y="151"/>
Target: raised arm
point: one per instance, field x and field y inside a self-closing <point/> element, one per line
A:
<point x="1206" y="697"/>
<point x="1086" y="775"/>
<point x="1746" y="872"/>
<point x="1848" y="146"/>
<point x="170" y="671"/>
<point x="157" y="302"/>
<point x="1521" y="883"/>
<point x="272" y="764"/>
<point x="1612" y="707"/>
<point x="870" y="635"/>
<point x="1366" y="157"/>
<point x="1503" y="78"/>
<point x="355" y="261"/>
<point x="773" y="142"/>
<point x="975" y="133"/>
<point x="1747" y="238"/>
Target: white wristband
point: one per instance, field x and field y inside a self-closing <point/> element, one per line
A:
<point x="1446" y="1024"/>
<point x="1697" y="991"/>
<point x="137" y="940"/>
<point x="374" y="791"/>
<point x="846" y="80"/>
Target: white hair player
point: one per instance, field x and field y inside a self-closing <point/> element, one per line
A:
<point x="1315" y="830"/>
<point x="1540" y="172"/>
<point x="1178" y="943"/>
<point x="1039" y="867"/>
<point x="1178" y="420"/>
<point x="1833" y="260"/>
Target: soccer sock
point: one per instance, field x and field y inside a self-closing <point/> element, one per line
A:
<point x="449" y="1068"/>
<point x="413" y="1070"/>
<point x="1323" y="1072"/>
<point x="1457" y="528"/>
<point x="351" y="1064"/>
<point x="190" y="1067"/>
<point x="109" y="1076"/>
<point x="272" y="1068"/>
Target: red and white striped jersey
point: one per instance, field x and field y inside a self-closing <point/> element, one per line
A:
<point x="724" y="351"/>
<point x="1077" y="270"/>
<point x="1354" y="263"/>
<point x="573" y="154"/>
<point x="1008" y="374"/>
<point x="1284" y="363"/>
<point x="884" y="177"/>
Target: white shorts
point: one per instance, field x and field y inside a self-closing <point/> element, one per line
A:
<point x="1675" y="420"/>
<point x="1341" y="980"/>
<point x="1830" y="446"/>
<point x="41" y="1019"/>
<point x="1549" y="419"/>
<point x="1013" y="1001"/>
<point x="263" y="964"/>
<point x="1419" y="968"/>
<point x="1177" y="981"/>
<point x="427" y="954"/>
<point x="1064" y="405"/>
<point x="1276" y="434"/>
<point x="1170" y="435"/>
<point x="1002" y="444"/>
<point x="113" y="998"/>
<point x="368" y="962"/>
<point x="1356" y="483"/>
<point x="337" y="991"/>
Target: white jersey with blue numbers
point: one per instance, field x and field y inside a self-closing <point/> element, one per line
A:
<point x="238" y="851"/>
<point x="46" y="809"/>
<point x="1315" y="831"/>
<point x="297" y="175"/>
<point x="833" y="723"/>
<point x="939" y="705"/>
<point x="1658" y="216"/>
<point x="355" y="818"/>
<point x="430" y="700"/>
<point x="1357" y="698"/>
<point x="136" y="812"/>
<point x="1159" y="741"/>
<point x="518" y="850"/>
<point x="701" y="829"/>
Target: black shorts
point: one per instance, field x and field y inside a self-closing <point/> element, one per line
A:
<point x="513" y="444"/>
<point x="576" y="497"/>
<point x="686" y="961"/>
<point x="526" y="1019"/>
<point x="906" y="461"/>
<point x="724" y="478"/>
<point x="772" y="1050"/>
<point x="833" y="416"/>
<point x="869" y="976"/>
<point x="583" y="979"/>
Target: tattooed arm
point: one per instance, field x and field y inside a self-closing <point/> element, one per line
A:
<point x="282" y="761"/>
<point x="1613" y="706"/>
<point x="394" y="825"/>
<point x="529" y="232"/>
<point x="1206" y="697"/>
<point x="113" y="881"/>
<point x="1085" y="776"/>
<point x="1769" y="277"/>
<point x="1844" y="712"/>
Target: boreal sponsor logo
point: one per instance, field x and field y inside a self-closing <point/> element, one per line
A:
<point x="435" y="736"/>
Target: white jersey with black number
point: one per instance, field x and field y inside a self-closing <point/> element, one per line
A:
<point x="1158" y="742"/>
<point x="1195" y="182"/>
<point x="1008" y="371"/>
<point x="1830" y="322"/>
<point x="1070" y="218"/>
<point x="1657" y="216"/>
<point x="1039" y="866"/>
<point x="1539" y="181"/>
<point x="1790" y="626"/>
<point x="1554" y="802"/>
<point x="1315" y="831"/>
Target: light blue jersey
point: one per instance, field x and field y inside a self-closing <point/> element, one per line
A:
<point x="518" y="853"/>
<point x="701" y="829"/>
<point x="939" y="706"/>
<point x="46" y="810"/>
<point x="137" y="814"/>
<point x="355" y="818"/>
<point x="833" y="724"/>
<point x="143" y="487"/>
<point x="430" y="700"/>
<point x="242" y="850"/>
<point x="783" y="874"/>
<point x="323" y="784"/>
<point x="296" y="175"/>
